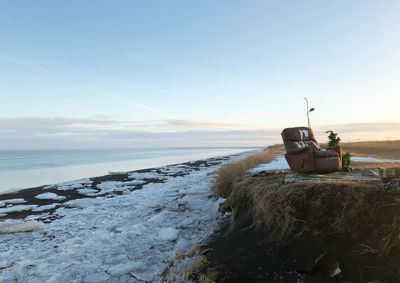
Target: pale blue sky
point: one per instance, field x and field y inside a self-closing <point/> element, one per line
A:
<point x="85" y="73"/>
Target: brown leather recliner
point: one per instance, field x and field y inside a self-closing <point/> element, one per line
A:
<point x="304" y="154"/>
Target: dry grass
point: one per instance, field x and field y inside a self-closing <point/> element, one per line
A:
<point x="283" y="211"/>
<point x="358" y="212"/>
<point x="377" y="149"/>
<point x="233" y="172"/>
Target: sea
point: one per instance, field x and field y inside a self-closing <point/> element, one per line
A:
<point x="31" y="168"/>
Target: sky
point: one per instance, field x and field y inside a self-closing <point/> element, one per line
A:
<point x="110" y="74"/>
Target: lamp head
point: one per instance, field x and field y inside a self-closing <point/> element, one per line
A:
<point x="311" y="110"/>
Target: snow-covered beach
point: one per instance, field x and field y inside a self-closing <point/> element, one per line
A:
<point x="124" y="227"/>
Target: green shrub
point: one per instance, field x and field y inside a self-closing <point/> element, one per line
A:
<point x="334" y="140"/>
<point x="346" y="162"/>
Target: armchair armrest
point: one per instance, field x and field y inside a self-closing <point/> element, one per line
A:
<point x="298" y="150"/>
<point x="337" y="148"/>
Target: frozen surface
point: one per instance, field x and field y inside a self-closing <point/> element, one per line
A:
<point x="49" y="167"/>
<point x="52" y="196"/>
<point x="168" y="234"/>
<point x="75" y="184"/>
<point x="131" y="237"/>
<point x="45" y="207"/>
<point x="16" y="208"/>
<point x="372" y="160"/>
<point x="278" y="163"/>
<point x="12" y="226"/>
<point x="15" y="201"/>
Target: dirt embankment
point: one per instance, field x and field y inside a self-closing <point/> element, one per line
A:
<point x="304" y="232"/>
<point x="285" y="232"/>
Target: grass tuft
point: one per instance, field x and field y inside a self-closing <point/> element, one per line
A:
<point x="231" y="173"/>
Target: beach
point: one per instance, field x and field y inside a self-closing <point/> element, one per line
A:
<point x="24" y="169"/>
<point x="121" y="227"/>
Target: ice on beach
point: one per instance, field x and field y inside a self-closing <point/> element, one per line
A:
<point x="4" y="264"/>
<point x="278" y="163"/>
<point x="87" y="191"/>
<point x="2" y="203"/>
<point x="12" y="226"/>
<point x="82" y="203"/>
<point x="110" y="186"/>
<point x="125" y="268"/>
<point x="146" y="175"/>
<point x="69" y="185"/>
<point x="45" y="207"/>
<point x="37" y="216"/>
<point x="15" y="201"/>
<point x="117" y="238"/>
<point x="49" y="196"/>
<point x="168" y="234"/>
<point x="16" y="208"/>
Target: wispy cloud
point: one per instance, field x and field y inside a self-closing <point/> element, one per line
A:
<point x="31" y="132"/>
<point x="26" y="64"/>
<point x="256" y="114"/>
<point x="114" y="95"/>
<point x="111" y="94"/>
<point x="103" y="132"/>
<point x="200" y="124"/>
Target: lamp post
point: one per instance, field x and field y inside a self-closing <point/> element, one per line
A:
<point x="308" y="112"/>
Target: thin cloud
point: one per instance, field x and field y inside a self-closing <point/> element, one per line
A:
<point x="26" y="64"/>
<point x="137" y="104"/>
<point x="107" y="93"/>
<point x="45" y="133"/>
<point x="64" y="132"/>
<point x="195" y="124"/>
<point x="256" y="114"/>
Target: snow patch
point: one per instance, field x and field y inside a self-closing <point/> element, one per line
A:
<point x="69" y="185"/>
<point x="278" y="163"/>
<point x="50" y="196"/>
<point x="146" y="175"/>
<point x="11" y="226"/>
<point x="45" y="207"/>
<point x="87" y="191"/>
<point x="16" y="208"/>
<point x="125" y="268"/>
<point x="80" y="203"/>
<point x="15" y="201"/>
<point x="372" y="160"/>
<point x="168" y="234"/>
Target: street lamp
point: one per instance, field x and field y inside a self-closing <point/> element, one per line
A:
<point x="308" y="112"/>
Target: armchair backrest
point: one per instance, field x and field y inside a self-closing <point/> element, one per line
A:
<point x="299" y="138"/>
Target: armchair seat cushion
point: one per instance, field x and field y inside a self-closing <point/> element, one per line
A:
<point x="325" y="153"/>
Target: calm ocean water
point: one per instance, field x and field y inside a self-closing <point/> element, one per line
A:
<point x="24" y="169"/>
